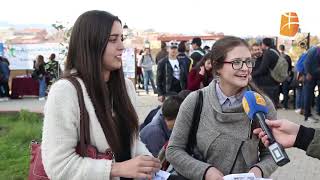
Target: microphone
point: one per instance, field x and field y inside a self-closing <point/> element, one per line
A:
<point x="255" y="107"/>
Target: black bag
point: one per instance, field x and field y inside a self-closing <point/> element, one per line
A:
<point x="34" y="75"/>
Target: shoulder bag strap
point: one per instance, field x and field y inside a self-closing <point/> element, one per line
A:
<point x="192" y="139"/>
<point x="84" y="117"/>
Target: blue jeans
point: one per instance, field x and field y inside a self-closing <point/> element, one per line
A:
<point x="299" y="97"/>
<point x="42" y="87"/>
<point x="148" y="75"/>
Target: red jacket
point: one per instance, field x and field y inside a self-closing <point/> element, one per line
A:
<point x="195" y="79"/>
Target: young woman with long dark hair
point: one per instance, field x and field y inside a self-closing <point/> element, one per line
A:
<point x="94" y="57"/>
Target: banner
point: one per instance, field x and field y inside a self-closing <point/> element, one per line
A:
<point x="21" y="56"/>
<point x="128" y="63"/>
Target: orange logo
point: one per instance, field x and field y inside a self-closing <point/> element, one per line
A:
<point x="259" y="99"/>
<point x="245" y="105"/>
<point x="289" y="24"/>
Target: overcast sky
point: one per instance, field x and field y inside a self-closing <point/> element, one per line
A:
<point x="237" y="17"/>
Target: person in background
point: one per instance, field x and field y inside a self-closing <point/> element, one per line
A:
<point x="269" y="61"/>
<point x="184" y="57"/>
<point x="206" y="49"/>
<point x="146" y="64"/>
<point x="4" y="79"/>
<point x="171" y="76"/>
<point x="224" y="143"/>
<point x="311" y="80"/>
<point x="41" y="76"/>
<point x="158" y="132"/>
<point x="197" y="52"/>
<point x="201" y="75"/>
<point x="162" y="53"/>
<point x="94" y="59"/>
<point x="53" y="69"/>
<point x="300" y="74"/>
<point x="289" y="134"/>
<point x="285" y="87"/>
<point x="256" y="53"/>
<point x="140" y="79"/>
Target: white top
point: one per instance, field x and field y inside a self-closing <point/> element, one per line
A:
<point x="61" y="135"/>
<point x="176" y="68"/>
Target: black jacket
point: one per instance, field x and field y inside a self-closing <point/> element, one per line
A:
<point x="165" y="76"/>
<point x="262" y="71"/>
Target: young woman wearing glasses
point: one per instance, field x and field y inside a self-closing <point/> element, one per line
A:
<point x="224" y="141"/>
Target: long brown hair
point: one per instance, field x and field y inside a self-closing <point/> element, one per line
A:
<point x="39" y="61"/>
<point x="219" y="53"/>
<point x="208" y="76"/>
<point x="88" y="42"/>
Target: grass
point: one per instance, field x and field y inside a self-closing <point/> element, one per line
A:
<point x="16" y="133"/>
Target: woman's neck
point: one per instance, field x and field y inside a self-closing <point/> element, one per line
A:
<point x="229" y="90"/>
<point x="106" y="76"/>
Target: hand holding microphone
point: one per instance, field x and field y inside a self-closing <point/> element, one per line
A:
<point x="255" y="107"/>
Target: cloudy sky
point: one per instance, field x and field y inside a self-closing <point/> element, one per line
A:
<point x="237" y="17"/>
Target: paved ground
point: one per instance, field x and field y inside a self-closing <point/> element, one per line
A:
<point x="301" y="166"/>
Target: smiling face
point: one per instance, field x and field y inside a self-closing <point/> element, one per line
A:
<point x="112" y="54"/>
<point x="235" y="79"/>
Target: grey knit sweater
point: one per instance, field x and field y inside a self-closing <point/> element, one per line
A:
<point x="219" y="138"/>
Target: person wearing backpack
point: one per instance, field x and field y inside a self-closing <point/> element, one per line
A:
<point x="312" y="79"/>
<point x="269" y="60"/>
<point x="285" y="87"/>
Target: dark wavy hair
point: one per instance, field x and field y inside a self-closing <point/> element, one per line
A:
<point x="88" y="42"/>
<point x="208" y="76"/>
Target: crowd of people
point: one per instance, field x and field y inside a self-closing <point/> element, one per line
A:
<point x="197" y="87"/>
<point x="46" y="73"/>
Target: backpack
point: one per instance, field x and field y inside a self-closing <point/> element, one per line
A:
<point x="280" y="72"/>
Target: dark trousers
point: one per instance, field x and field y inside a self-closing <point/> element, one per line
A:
<point x="4" y="89"/>
<point x="285" y="91"/>
<point x="272" y="92"/>
<point x="308" y="92"/>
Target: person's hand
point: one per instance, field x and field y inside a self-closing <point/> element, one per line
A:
<point x="213" y="174"/>
<point x="309" y="77"/>
<point x="256" y="171"/>
<point x="202" y="70"/>
<point x="284" y="131"/>
<point x="161" y="98"/>
<point x="140" y="167"/>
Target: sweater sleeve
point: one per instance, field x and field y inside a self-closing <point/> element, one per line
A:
<point x="194" y="80"/>
<point x="314" y="147"/>
<point x="186" y="165"/>
<point x="266" y="163"/>
<point x="60" y="137"/>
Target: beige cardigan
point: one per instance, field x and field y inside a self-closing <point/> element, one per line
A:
<point x="61" y="134"/>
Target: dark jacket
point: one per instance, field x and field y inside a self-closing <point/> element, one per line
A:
<point x="187" y="62"/>
<point x="312" y="62"/>
<point x="197" y="55"/>
<point x="162" y="54"/>
<point x="4" y="72"/>
<point x="155" y="135"/>
<point x="165" y="77"/>
<point x="262" y="72"/>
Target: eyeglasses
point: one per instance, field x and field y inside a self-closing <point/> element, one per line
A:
<point x="237" y="63"/>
